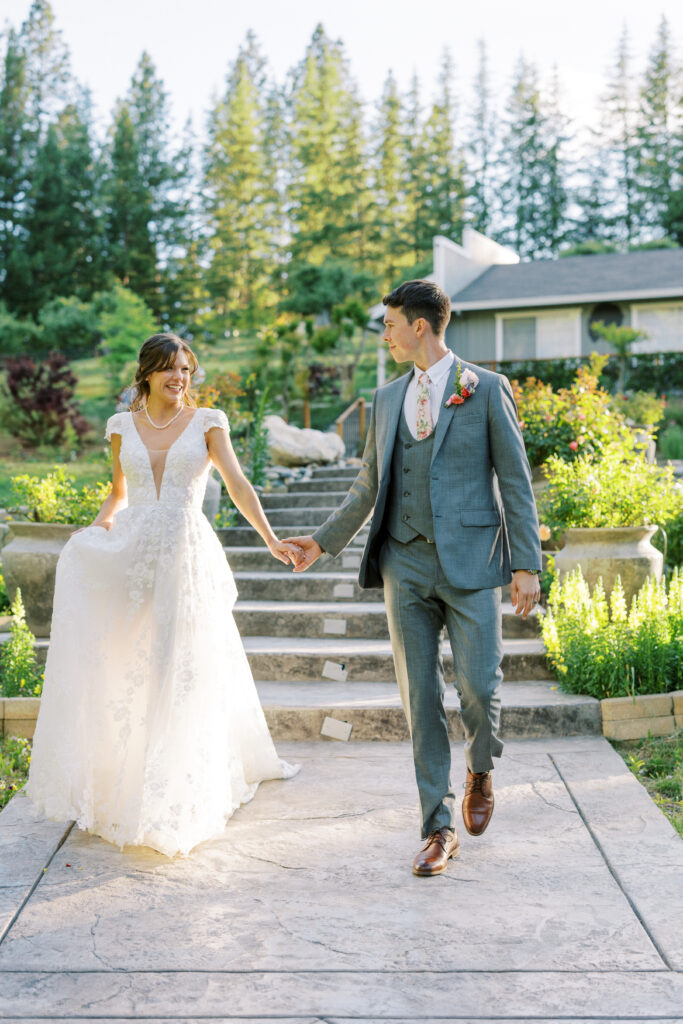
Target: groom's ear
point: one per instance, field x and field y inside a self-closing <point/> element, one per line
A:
<point x="419" y="324"/>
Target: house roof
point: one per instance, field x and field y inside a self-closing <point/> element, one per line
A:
<point x="654" y="273"/>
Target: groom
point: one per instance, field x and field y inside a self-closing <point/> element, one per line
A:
<point x="454" y="519"/>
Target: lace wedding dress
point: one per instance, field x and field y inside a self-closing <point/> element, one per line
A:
<point x="150" y="730"/>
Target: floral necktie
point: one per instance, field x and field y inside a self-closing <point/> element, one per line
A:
<point x="425" y="425"/>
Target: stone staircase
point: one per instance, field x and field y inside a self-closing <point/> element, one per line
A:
<point x="318" y="645"/>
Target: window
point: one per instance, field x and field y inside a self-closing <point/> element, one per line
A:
<point x="554" y="334"/>
<point x="664" y="327"/>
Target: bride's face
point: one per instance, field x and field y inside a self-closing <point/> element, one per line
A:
<point x="170" y="385"/>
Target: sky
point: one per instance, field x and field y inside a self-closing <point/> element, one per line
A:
<point x="192" y="43"/>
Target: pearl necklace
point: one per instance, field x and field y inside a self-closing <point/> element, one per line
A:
<point x="163" y="425"/>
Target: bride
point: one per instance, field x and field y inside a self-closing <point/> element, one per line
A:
<point x="150" y="730"/>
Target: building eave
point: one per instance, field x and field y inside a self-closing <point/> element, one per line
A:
<point x="534" y="302"/>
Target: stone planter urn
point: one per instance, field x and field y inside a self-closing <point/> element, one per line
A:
<point x="29" y="561"/>
<point x="609" y="552"/>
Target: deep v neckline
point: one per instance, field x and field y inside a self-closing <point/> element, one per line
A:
<point x="165" y="450"/>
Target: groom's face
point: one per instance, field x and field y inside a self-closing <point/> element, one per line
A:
<point x="402" y="338"/>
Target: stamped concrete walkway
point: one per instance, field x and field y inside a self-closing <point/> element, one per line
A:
<point x="570" y="907"/>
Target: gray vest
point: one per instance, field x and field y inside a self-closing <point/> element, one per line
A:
<point x="409" y="508"/>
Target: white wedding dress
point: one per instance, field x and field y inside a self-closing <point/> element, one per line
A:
<point x="150" y="729"/>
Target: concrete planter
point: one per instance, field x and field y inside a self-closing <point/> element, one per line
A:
<point x="609" y="552"/>
<point x="634" y="718"/>
<point x="18" y="716"/>
<point x="29" y="561"/>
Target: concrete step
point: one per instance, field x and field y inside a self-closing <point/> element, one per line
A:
<point x="246" y="536"/>
<point x="251" y="559"/>
<point x="531" y="708"/>
<point x="345" y="472"/>
<point x="296" y="587"/>
<point x="352" y="620"/>
<point x="332" y="484"/>
<point x="288" y="659"/>
<point x="279" y="517"/>
<point x="310" y="499"/>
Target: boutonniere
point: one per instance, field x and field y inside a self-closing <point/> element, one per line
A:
<point x="465" y="385"/>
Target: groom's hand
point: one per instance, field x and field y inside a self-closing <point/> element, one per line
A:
<point x="525" y="591"/>
<point x="311" y="548"/>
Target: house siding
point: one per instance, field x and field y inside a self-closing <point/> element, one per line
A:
<point x="473" y="336"/>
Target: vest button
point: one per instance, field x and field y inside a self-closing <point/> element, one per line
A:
<point x="406" y="494"/>
<point x="406" y="518"/>
<point x="409" y="446"/>
<point x="406" y="471"/>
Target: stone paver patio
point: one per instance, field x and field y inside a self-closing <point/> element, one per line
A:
<point x="569" y="908"/>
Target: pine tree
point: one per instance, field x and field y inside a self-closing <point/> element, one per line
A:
<point x="390" y="229"/>
<point x="131" y="253"/>
<point x="145" y="189"/>
<point x="659" y="132"/>
<point x="328" y="192"/>
<point x="63" y="245"/>
<point x="241" y="185"/>
<point x="49" y="80"/>
<point x="16" y="139"/>
<point x="443" y="190"/>
<point x="616" y="156"/>
<point x="481" y="147"/>
<point x="533" y="196"/>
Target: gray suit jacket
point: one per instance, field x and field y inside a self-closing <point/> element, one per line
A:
<point x="485" y="519"/>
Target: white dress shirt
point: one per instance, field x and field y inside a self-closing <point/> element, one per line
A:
<point x="439" y="376"/>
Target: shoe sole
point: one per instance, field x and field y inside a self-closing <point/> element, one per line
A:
<point x="481" y="832"/>
<point x="438" y="871"/>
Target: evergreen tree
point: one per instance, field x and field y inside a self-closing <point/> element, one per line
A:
<point x="328" y="194"/>
<point x="49" y="80"/>
<point x="533" y="196"/>
<point x="145" y="190"/>
<point x="617" y="154"/>
<point x="481" y="146"/>
<point x="131" y="253"/>
<point x="659" y="132"/>
<point x="241" y="186"/>
<point x="390" y="229"/>
<point x="15" y="148"/>
<point x="443" y="190"/>
<point x="63" y="246"/>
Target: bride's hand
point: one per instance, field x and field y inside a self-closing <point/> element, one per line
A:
<point x="286" y="552"/>
<point x="105" y="526"/>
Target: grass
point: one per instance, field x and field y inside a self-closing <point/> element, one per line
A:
<point x="15" y="758"/>
<point x="658" y="764"/>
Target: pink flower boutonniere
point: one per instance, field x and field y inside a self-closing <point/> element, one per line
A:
<point x="465" y="385"/>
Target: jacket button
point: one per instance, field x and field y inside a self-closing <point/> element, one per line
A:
<point x="406" y="518"/>
<point x="406" y="494"/>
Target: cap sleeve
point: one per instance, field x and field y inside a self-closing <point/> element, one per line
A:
<point x="114" y="425"/>
<point x="215" y="418"/>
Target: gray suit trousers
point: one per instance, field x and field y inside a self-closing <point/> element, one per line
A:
<point x="420" y="602"/>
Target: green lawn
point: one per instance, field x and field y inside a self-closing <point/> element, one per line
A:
<point x="658" y="764"/>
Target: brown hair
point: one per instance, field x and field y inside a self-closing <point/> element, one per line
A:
<point x="159" y="352"/>
<point x="421" y="299"/>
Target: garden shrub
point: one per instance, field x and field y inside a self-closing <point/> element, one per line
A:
<point x="571" y="421"/>
<point x="641" y="408"/>
<point x="620" y="489"/>
<point x="41" y="409"/>
<point x="55" y="498"/>
<point x="603" y="649"/>
<point x="15" y="758"/>
<point x="20" y="675"/>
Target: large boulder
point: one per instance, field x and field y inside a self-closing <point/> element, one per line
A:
<point x="292" y="446"/>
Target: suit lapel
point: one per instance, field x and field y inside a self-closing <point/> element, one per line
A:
<point x="390" y="418"/>
<point x="446" y="414"/>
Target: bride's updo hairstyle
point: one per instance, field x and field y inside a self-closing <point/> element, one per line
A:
<point x="159" y="353"/>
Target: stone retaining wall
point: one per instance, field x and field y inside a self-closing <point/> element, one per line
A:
<point x="632" y="718"/>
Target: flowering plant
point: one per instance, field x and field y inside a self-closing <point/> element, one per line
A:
<point x="465" y="384"/>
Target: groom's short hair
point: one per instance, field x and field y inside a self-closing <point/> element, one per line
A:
<point x="422" y="298"/>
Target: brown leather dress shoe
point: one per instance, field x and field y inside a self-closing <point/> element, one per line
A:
<point x="477" y="803"/>
<point x="433" y="858"/>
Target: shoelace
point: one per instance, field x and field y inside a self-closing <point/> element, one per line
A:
<point x="475" y="782"/>
<point x="439" y="837"/>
